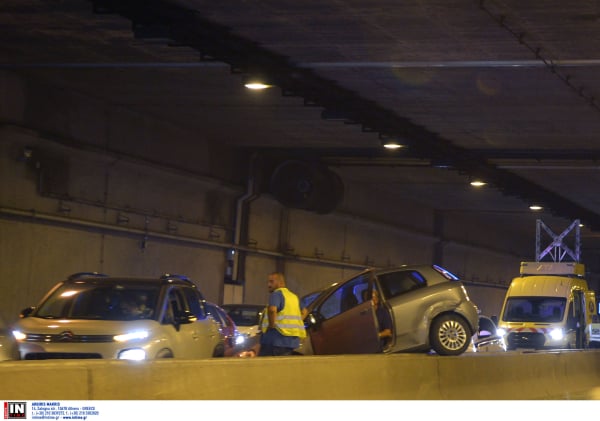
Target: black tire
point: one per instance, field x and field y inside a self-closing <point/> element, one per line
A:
<point x="450" y="335"/>
<point x="164" y="353"/>
<point x="219" y="351"/>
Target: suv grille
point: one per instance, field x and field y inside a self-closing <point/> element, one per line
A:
<point x="67" y="337"/>
<point x="61" y="355"/>
<point x="526" y="340"/>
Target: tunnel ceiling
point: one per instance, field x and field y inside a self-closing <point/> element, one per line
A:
<point x="505" y="91"/>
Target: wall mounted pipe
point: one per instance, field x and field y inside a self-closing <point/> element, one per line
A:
<point x="241" y="216"/>
<point x="54" y="220"/>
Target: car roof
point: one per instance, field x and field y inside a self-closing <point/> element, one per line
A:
<point x="427" y="268"/>
<point x="97" y="278"/>
<point x="435" y="274"/>
<point x="211" y="304"/>
<point x="215" y="306"/>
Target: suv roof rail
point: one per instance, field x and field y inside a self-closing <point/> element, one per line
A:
<point x="176" y="276"/>
<point x="85" y="275"/>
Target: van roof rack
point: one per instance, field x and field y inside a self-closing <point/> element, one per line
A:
<point x="552" y="268"/>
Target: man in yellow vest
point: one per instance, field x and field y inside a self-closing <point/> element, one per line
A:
<point x="282" y="326"/>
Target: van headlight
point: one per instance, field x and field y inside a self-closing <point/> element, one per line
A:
<point x="556" y="334"/>
<point x="134" y="354"/>
<point x="138" y="334"/>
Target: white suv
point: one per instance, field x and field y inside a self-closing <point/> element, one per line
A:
<point x="97" y="316"/>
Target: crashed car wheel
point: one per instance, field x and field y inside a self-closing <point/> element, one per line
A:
<point x="450" y="335"/>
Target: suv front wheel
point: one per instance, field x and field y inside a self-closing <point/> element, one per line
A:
<point x="164" y="353"/>
<point x="450" y="335"/>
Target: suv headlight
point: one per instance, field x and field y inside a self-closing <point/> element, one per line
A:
<point x="19" y="336"/>
<point x="501" y="332"/>
<point x="135" y="354"/>
<point x="138" y="334"/>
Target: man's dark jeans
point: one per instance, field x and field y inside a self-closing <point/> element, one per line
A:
<point x="274" y="351"/>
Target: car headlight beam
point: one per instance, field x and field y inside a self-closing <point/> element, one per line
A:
<point x="134" y="354"/>
<point x="556" y="334"/>
<point x="19" y="336"/>
<point x="138" y="334"/>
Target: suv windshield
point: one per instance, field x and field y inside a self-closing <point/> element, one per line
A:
<point x="115" y="301"/>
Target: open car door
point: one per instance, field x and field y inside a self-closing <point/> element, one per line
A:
<point x="344" y="323"/>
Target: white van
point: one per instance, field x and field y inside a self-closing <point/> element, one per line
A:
<point x="548" y="306"/>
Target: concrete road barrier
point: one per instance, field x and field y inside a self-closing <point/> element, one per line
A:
<point x="564" y="375"/>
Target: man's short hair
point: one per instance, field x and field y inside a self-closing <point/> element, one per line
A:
<point x="279" y="276"/>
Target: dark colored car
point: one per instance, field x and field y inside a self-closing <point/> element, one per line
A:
<point x="233" y="340"/>
<point x="247" y="318"/>
<point x="428" y="306"/>
<point x="98" y="316"/>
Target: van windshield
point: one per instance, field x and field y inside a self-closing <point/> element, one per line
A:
<point x="534" y="309"/>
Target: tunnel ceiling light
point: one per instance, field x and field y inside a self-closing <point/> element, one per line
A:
<point x="536" y="207"/>
<point x="478" y="183"/>
<point x="390" y="141"/>
<point x="257" y="86"/>
<point x="391" y="144"/>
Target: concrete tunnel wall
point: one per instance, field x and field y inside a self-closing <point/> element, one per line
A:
<point x="567" y="375"/>
<point x="112" y="204"/>
<point x="89" y="195"/>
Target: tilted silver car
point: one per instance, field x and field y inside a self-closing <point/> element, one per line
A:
<point x="97" y="316"/>
<point x="428" y="307"/>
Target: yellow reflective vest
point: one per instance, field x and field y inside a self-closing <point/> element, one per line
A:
<point x="289" y="320"/>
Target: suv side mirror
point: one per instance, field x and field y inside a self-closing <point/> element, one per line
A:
<point x="26" y="312"/>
